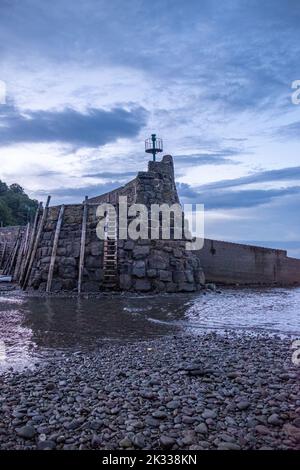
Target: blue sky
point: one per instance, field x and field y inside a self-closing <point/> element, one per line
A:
<point x="88" y="81"/>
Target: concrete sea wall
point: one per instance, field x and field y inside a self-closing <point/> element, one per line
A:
<point x="234" y="263"/>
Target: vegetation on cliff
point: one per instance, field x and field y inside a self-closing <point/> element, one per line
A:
<point x="16" y="208"/>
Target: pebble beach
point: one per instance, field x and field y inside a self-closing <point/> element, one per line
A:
<point x="212" y="391"/>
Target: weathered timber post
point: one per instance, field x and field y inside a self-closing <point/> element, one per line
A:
<point x="10" y="262"/>
<point x="36" y="243"/>
<point x="54" y="248"/>
<point x="82" y="243"/>
<point x="21" y="253"/>
<point x="3" y="254"/>
<point x="25" y="262"/>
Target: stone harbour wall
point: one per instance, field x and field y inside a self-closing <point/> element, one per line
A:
<point x="147" y="265"/>
<point x="158" y="265"/>
<point x="142" y="265"/>
<point x="66" y="269"/>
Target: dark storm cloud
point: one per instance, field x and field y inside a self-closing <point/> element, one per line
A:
<point x="242" y="54"/>
<point x="283" y="174"/>
<point x="233" y="199"/>
<point x="215" y="158"/>
<point x="76" y="194"/>
<point x="220" y="195"/>
<point x="111" y="175"/>
<point x="290" y="131"/>
<point x="91" y="128"/>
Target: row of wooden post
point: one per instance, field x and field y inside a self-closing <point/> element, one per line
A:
<point x="82" y="246"/>
<point x="20" y="262"/>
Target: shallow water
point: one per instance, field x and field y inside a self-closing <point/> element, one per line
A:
<point x="32" y="328"/>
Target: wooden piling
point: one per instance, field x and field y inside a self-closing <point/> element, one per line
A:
<point x="36" y="243"/>
<point x="21" y="253"/>
<point x="26" y="259"/>
<point x="82" y="244"/>
<point x="14" y="254"/>
<point x="3" y="254"/>
<point x="54" y="248"/>
<point x="11" y="259"/>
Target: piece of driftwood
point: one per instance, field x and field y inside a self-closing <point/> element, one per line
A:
<point x="54" y="248"/>
<point x="82" y="243"/>
<point x="36" y="243"/>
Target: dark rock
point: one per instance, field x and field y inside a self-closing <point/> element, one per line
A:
<point x="27" y="432"/>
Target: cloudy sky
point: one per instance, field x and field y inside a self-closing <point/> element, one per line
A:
<point x="88" y="81"/>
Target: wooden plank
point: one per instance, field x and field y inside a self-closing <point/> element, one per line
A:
<point x="25" y="262"/>
<point x="36" y="243"/>
<point x="82" y="244"/>
<point x="54" y="248"/>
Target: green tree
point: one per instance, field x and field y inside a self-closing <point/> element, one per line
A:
<point x="16" y="208"/>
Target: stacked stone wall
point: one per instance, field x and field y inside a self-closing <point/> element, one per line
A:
<point x="8" y="237"/>
<point x="143" y="265"/>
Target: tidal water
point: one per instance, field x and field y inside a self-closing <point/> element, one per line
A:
<point x="32" y="328"/>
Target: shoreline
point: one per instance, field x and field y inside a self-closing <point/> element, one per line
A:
<point x="13" y="288"/>
<point x="176" y="392"/>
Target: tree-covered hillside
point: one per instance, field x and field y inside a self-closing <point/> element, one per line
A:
<point x="16" y="208"/>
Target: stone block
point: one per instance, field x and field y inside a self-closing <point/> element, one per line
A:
<point x="140" y="252"/>
<point x="199" y="276"/>
<point x="96" y="248"/>
<point x="139" y="269"/>
<point x="90" y="286"/>
<point x="159" y="286"/>
<point x="157" y="262"/>
<point x="179" y="276"/>
<point x="142" y="285"/>
<point x="129" y="245"/>
<point x="93" y="262"/>
<point x="67" y="261"/>
<point x="151" y="273"/>
<point x="56" y="285"/>
<point x="95" y="274"/>
<point x="69" y="284"/>
<point x="177" y="253"/>
<point x="165" y="275"/>
<point x="61" y="251"/>
<point x="125" y="281"/>
<point x="189" y="276"/>
<point x="171" y="287"/>
<point x="186" y="287"/>
<point x="67" y="272"/>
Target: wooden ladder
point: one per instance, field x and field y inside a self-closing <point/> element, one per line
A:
<point x="110" y="254"/>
